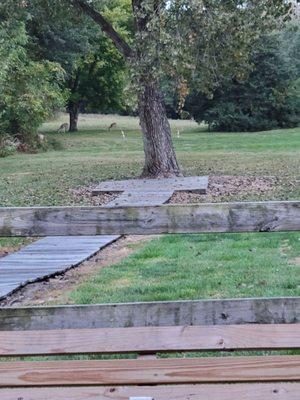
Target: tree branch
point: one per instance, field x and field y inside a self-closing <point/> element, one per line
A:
<point x="106" y="27"/>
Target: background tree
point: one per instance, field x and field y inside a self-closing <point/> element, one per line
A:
<point x="29" y="90"/>
<point x="95" y="70"/>
<point x="96" y="82"/>
<point x="269" y="98"/>
<point x="177" y="38"/>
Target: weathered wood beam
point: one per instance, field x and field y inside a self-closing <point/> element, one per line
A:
<point x="174" y="313"/>
<point x="207" y="217"/>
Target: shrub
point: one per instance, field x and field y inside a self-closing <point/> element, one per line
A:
<point x="268" y="99"/>
<point x="8" y="146"/>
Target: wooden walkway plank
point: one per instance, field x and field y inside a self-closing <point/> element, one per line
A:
<point x="145" y="340"/>
<point x="141" y="198"/>
<point x="6" y="289"/>
<point x="143" y="372"/>
<point x="190" y="183"/>
<point x="253" y="391"/>
<point x="35" y="261"/>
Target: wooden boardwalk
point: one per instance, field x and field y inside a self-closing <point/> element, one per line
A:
<point x="46" y="257"/>
<point x="54" y="255"/>
<point x="190" y="183"/>
<point x="150" y="192"/>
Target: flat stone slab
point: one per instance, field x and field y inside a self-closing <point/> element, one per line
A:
<point x="197" y="184"/>
<point x="46" y="257"/>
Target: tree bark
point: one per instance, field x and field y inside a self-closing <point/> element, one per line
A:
<point x="160" y="157"/>
<point x="73" y="111"/>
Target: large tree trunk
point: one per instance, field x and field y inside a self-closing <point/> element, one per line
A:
<point x="160" y="158"/>
<point x="73" y="111"/>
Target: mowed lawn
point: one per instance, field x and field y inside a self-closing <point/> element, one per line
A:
<point x="94" y="154"/>
<point x="169" y="267"/>
<point x="200" y="266"/>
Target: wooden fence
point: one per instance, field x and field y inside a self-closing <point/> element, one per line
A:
<point x="147" y="328"/>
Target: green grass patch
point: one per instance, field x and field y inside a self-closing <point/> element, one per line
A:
<point x="200" y="266"/>
<point x="8" y="244"/>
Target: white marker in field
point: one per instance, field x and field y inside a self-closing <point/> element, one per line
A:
<point x="178" y="134"/>
<point x="123" y="135"/>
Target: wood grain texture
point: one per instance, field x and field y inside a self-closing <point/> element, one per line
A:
<point x="150" y="339"/>
<point x="206" y="217"/>
<point x="167" y="313"/>
<point x="253" y="391"/>
<point x="160" y="371"/>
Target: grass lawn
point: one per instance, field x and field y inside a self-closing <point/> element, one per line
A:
<point x="93" y="155"/>
<point x="170" y="267"/>
<point x="182" y="267"/>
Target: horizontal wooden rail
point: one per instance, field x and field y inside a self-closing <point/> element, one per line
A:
<point x="279" y="310"/>
<point x="150" y="339"/>
<point x="239" y="391"/>
<point x="159" y="371"/>
<point x="208" y="217"/>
